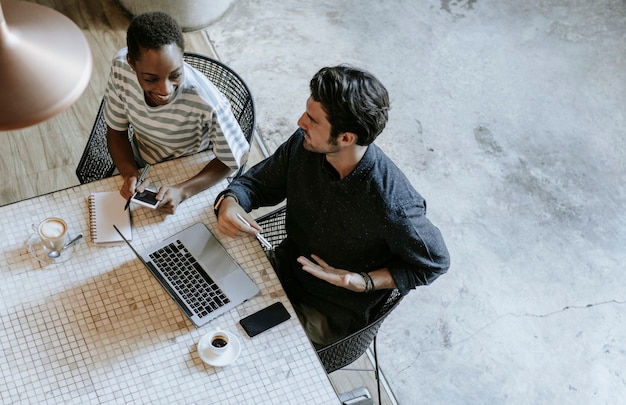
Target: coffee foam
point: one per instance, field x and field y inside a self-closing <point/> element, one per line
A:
<point x="52" y="228"/>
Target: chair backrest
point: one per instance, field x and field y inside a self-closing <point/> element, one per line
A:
<point x="233" y="87"/>
<point x="96" y="162"/>
<point x="348" y="349"/>
<point x="273" y="225"/>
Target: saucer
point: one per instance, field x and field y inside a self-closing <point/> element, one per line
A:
<point x="222" y="359"/>
<point x="39" y="252"/>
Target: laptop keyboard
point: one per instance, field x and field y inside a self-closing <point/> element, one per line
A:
<point x="185" y="274"/>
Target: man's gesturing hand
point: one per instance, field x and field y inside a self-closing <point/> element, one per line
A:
<point x="341" y="278"/>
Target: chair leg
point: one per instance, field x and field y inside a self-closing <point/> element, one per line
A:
<point x="376" y="372"/>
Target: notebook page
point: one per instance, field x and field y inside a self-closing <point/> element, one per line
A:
<point x="107" y="209"/>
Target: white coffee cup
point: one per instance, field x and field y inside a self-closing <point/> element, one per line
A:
<point x="53" y="233"/>
<point x="218" y="342"/>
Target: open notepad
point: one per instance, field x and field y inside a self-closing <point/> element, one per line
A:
<point x="105" y="210"/>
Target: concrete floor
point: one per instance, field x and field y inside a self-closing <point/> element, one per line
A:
<point x="509" y="117"/>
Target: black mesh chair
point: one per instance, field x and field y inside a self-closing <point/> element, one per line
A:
<point x="348" y="349"/>
<point x="96" y="162"/>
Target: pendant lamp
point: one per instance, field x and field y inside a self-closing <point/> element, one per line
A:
<point x="45" y="63"/>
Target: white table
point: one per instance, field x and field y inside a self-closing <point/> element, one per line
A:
<point x="97" y="328"/>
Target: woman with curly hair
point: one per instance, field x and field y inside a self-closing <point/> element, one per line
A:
<point x="174" y="110"/>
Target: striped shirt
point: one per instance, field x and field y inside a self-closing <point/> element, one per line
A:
<point x="199" y="115"/>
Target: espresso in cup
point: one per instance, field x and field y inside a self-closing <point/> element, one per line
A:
<point x="219" y="342"/>
<point x="53" y="233"/>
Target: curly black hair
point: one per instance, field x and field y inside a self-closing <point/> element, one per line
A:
<point x="152" y="31"/>
<point x="353" y="100"/>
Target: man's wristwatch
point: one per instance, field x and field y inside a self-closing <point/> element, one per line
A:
<point x="216" y="208"/>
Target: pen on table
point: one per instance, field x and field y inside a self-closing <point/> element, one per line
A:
<point x="142" y="177"/>
<point x="258" y="235"/>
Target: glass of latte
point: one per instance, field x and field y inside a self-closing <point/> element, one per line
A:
<point x="53" y="233"/>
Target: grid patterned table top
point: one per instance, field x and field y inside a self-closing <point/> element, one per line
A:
<point x="97" y="328"/>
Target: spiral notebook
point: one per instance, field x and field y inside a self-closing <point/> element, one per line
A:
<point x="105" y="210"/>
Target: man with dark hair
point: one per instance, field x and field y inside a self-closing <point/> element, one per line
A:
<point x="174" y="110"/>
<point x="356" y="227"/>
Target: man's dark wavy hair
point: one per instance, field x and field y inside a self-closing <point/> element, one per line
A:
<point x="152" y="31"/>
<point x="354" y="101"/>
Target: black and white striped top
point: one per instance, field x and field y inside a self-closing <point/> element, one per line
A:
<point x="198" y="115"/>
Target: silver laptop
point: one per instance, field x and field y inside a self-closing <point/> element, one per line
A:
<point x="198" y="273"/>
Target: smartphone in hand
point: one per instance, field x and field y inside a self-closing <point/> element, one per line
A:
<point x="264" y="319"/>
<point x="147" y="198"/>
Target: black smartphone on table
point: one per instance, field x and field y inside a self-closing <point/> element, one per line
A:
<point x="264" y="319"/>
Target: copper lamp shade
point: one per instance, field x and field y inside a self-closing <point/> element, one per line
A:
<point x="45" y="63"/>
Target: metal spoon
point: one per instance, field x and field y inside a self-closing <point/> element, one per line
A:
<point x="53" y="254"/>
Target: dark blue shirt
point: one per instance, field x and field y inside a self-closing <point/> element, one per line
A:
<point x="372" y="218"/>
